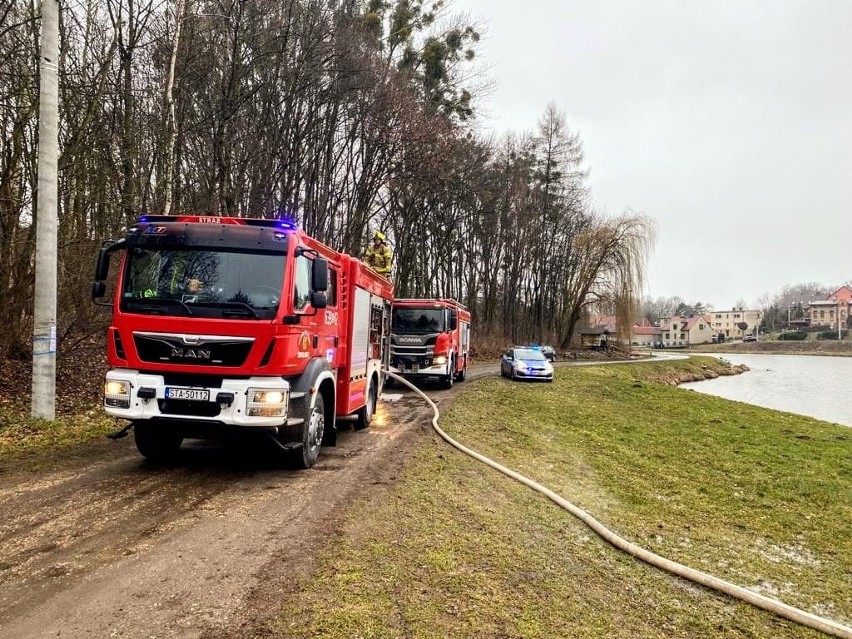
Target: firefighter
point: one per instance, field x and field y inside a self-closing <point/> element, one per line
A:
<point x="191" y="289"/>
<point x="379" y="256"/>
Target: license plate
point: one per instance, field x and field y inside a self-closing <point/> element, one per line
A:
<point x="193" y="394"/>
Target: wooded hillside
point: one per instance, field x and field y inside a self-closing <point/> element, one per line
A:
<point x="348" y="116"/>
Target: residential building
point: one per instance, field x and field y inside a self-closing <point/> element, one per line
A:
<point x="833" y="309"/>
<point x="646" y="334"/>
<point x="686" y="331"/>
<point x="728" y="323"/>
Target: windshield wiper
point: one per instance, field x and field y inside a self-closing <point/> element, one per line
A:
<point x="156" y="308"/>
<point x="241" y="306"/>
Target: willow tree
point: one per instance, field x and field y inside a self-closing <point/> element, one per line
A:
<point x="608" y="259"/>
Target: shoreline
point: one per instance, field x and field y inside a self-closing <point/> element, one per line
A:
<point x="815" y="348"/>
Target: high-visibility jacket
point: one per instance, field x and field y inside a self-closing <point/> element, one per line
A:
<point x="379" y="259"/>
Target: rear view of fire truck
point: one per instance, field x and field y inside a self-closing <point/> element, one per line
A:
<point x="430" y="338"/>
<point x="228" y="325"/>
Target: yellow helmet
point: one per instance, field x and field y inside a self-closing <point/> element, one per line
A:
<point x="379" y="236"/>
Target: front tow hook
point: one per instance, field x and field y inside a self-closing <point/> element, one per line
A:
<point x="120" y="433"/>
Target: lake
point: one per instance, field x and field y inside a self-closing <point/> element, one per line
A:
<point x="816" y="386"/>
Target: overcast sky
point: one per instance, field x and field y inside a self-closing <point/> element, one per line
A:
<point x="729" y="122"/>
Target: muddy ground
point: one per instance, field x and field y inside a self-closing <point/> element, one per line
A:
<point x="103" y="544"/>
<point x="106" y="545"/>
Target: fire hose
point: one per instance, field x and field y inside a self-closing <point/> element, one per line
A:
<point x="769" y="604"/>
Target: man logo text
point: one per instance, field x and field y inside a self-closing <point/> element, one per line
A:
<point x="191" y="353"/>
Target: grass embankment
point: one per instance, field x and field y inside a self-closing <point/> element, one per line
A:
<point x="31" y="441"/>
<point x="758" y="497"/>
<point x="781" y="347"/>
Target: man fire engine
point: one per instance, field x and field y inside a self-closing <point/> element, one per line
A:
<point x="430" y="338"/>
<point x="228" y="324"/>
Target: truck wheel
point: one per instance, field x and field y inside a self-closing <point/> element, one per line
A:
<point x="447" y="381"/>
<point x="365" y="414"/>
<point x="157" y="443"/>
<point x="460" y="375"/>
<point x="312" y="432"/>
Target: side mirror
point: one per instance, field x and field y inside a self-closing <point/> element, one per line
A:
<point x="454" y="320"/>
<point x="102" y="267"/>
<point x="318" y="299"/>
<point x="319" y="277"/>
<point x="102" y="270"/>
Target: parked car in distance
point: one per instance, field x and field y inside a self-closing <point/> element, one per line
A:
<point x="549" y="353"/>
<point x="523" y="362"/>
<point x="749" y="338"/>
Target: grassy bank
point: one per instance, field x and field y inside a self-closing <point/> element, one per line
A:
<point x="781" y="347"/>
<point x="23" y="439"/>
<point x="761" y="498"/>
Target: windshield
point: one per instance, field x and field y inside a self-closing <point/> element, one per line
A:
<point x="527" y="354"/>
<point x="417" y="321"/>
<point x="203" y="282"/>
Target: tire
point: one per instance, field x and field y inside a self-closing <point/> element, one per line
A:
<point x="447" y="380"/>
<point x="365" y="414"/>
<point x="156" y="442"/>
<point x="313" y="429"/>
<point x="460" y="375"/>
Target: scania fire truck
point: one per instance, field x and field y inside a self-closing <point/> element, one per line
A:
<point x="430" y="338"/>
<point x="223" y="325"/>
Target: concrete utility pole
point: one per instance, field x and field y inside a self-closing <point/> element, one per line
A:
<point x="44" y="311"/>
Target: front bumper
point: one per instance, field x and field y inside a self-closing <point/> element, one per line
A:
<point x="226" y="404"/>
<point x="414" y="370"/>
<point x="533" y="374"/>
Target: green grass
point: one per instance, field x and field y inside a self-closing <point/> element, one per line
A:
<point x="22" y="437"/>
<point x="761" y="498"/>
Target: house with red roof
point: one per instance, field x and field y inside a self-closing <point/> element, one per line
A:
<point x="680" y="332"/>
<point x="646" y="334"/>
<point x="832" y="310"/>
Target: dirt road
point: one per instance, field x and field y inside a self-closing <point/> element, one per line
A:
<point x="104" y="545"/>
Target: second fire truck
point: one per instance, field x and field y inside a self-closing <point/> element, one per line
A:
<point x="430" y="338"/>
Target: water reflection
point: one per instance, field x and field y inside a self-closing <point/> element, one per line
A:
<point x="820" y="387"/>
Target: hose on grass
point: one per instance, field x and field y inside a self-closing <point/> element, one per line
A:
<point x="779" y="608"/>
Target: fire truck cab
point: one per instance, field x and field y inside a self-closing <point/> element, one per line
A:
<point x="222" y="325"/>
<point x="430" y="338"/>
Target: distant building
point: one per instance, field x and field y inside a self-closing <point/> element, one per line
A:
<point x="686" y="331"/>
<point x="831" y="310"/>
<point x="596" y="337"/>
<point x="727" y="323"/>
<point x="646" y="334"/>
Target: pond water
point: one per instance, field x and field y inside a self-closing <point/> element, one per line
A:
<point x="816" y="386"/>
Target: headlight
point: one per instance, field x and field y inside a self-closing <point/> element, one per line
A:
<point x="548" y="367"/>
<point x="520" y="366"/>
<point x="117" y="393"/>
<point x="266" y="402"/>
<point x="440" y="360"/>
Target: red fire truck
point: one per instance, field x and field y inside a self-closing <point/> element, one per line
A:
<point x="430" y="338"/>
<point x="229" y="324"/>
